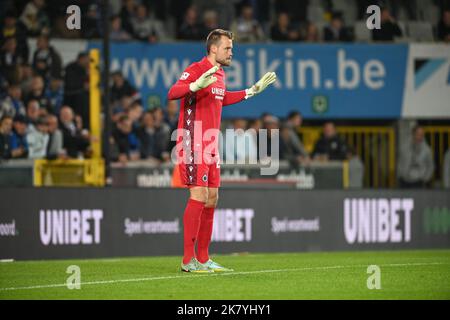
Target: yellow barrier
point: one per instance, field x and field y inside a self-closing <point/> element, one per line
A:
<point x="69" y="173"/>
<point x="375" y="146"/>
<point x="438" y="138"/>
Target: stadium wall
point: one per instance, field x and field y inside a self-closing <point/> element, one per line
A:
<point x="91" y="223"/>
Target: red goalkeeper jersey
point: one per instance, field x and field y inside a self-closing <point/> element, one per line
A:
<point x="202" y="108"/>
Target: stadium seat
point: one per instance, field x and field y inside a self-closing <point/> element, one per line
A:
<point x="361" y="32"/>
<point x="420" y="31"/>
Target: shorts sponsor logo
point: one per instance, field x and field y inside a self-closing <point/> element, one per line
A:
<point x="298" y="225"/>
<point x="68" y="227"/>
<point x="377" y="220"/>
<point x="233" y="225"/>
<point x="8" y="229"/>
<point x="139" y="226"/>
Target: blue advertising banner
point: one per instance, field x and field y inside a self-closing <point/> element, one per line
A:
<point x="322" y="81"/>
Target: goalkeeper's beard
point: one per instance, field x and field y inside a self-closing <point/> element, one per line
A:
<point x="225" y="62"/>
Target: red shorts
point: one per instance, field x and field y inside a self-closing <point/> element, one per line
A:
<point x="202" y="174"/>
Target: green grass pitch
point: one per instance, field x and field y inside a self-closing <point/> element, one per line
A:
<point x="421" y="274"/>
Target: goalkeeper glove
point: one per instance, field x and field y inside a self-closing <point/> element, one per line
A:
<point x="261" y="85"/>
<point x="205" y="80"/>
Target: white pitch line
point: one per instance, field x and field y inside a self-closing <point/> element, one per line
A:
<point x="100" y="282"/>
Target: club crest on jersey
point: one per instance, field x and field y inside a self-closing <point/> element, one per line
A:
<point x="184" y="76"/>
<point x="205" y="178"/>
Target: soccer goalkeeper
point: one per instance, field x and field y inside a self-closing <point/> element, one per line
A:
<point x="202" y="91"/>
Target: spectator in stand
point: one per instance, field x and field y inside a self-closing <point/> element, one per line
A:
<point x="171" y="114"/>
<point x="19" y="145"/>
<point x="15" y="29"/>
<point x="163" y="132"/>
<point x="310" y="32"/>
<point x="246" y="28"/>
<point x="38" y="93"/>
<point x="330" y="146"/>
<point x="244" y="147"/>
<point x="415" y="165"/>
<point x="121" y="107"/>
<point x="127" y="13"/>
<point x="75" y="139"/>
<point x="55" y="147"/>
<point x="150" y="146"/>
<point x="443" y="27"/>
<point x="134" y="113"/>
<point x="297" y="9"/>
<point x="210" y="22"/>
<point x="46" y="60"/>
<point x="12" y="104"/>
<point x="293" y="123"/>
<point x="117" y="33"/>
<point x="25" y="78"/>
<point x="55" y="94"/>
<point x="76" y="90"/>
<point x="146" y="28"/>
<point x="283" y="30"/>
<point x="190" y="29"/>
<point x="5" y="137"/>
<point x="37" y="140"/>
<point x="35" y="18"/>
<point x="121" y="87"/>
<point x="336" y="31"/>
<point x="92" y="27"/>
<point x="288" y="149"/>
<point x="270" y="123"/>
<point x="10" y="60"/>
<point x="33" y="113"/>
<point x="126" y="140"/>
<point x="389" y="28"/>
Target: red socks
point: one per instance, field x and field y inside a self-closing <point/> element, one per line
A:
<point x="191" y="223"/>
<point x="204" y="234"/>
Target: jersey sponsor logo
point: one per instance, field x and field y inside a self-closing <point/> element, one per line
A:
<point x="184" y="76"/>
<point x="218" y="91"/>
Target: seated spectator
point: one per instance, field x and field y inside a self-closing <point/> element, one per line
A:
<point x="12" y="28"/>
<point x="35" y="18"/>
<point x="54" y="93"/>
<point x="121" y="87"/>
<point x="91" y="23"/>
<point x="283" y="30"/>
<point x="75" y="139"/>
<point x="171" y="114"/>
<point x="37" y="140"/>
<point x="244" y="147"/>
<point x="336" y="31"/>
<point x="145" y="28"/>
<point x="330" y="146"/>
<point x="293" y="123"/>
<point x="126" y="140"/>
<point x="190" y="29"/>
<point x="47" y="61"/>
<point x="12" y="104"/>
<point x="134" y="113"/>
<point x="443" y="27"/>
<point x="415" y="165"/>
<point x="389" y="28"/>
<point x="117" y="33"/>
<point x="310" y="33"/>
<point x="33" y="112"/>
<point x="121" y="107"/>
<point x="19" y="145"/>
<point x="151" y="147"/>
<point x="55" y="147"/>
<point x="5" y="137"/>
<point x="37" y="92"/>
<point x="10" y="60"/>
<point x="25" y="78"/>
<point x="246" y="28"/>
<point x="210" y="22"/>
<point x="127" y="12"/>
<point x="163" y="132"/>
